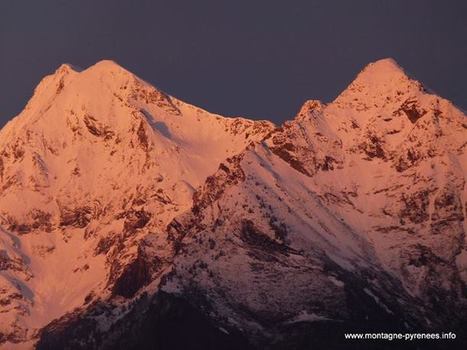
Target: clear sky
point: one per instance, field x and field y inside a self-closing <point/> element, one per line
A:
<point x="254" y="58"/>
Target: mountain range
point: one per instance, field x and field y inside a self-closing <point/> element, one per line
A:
<point x="132" y="220"/>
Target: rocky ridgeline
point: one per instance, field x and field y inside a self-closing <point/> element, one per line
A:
<point x="351" y="217"/>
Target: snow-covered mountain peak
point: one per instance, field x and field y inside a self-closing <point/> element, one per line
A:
<point x="383" y="115"/>
<point x="309" y="107"/>
<point x="384" y="73"/>
<point x="377" y="85"/>
<point x="382" y="105"/>
<point x="99" y="156"/>
<point x="382" y="68"/>
<point x="105" y="70"/>
<point x="108" y="65"/>
<point x="66" y="68"/>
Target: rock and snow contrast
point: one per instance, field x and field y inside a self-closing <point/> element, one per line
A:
<point x="130" y="219"/>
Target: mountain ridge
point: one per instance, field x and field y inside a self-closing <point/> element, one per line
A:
<point x="326" y="216"/>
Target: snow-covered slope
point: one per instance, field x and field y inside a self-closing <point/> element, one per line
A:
<point x="98" y="162"/>
<point x="349" y="217"/>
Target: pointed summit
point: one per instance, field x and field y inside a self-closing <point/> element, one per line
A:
<point x="377" y="84"/>
<point x="104" y="67"/>
<point x="384" y="66"/>
<point x="67" y="68"/>
<point x="110" y="73"/>
<point x="108" y="66"/>
<point x="107" y="63"/>
<point x="383" y="71"/>
<point x="310" y="107"/>
<point x="63" y="70"/>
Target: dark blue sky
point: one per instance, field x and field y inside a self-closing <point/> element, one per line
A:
<point x="254" y="58"/>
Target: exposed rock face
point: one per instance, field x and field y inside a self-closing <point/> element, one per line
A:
<point x="228" y="232"/>
<point x="306" y="143"/>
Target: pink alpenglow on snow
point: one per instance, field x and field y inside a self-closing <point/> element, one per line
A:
<point x="123" y="207"/>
